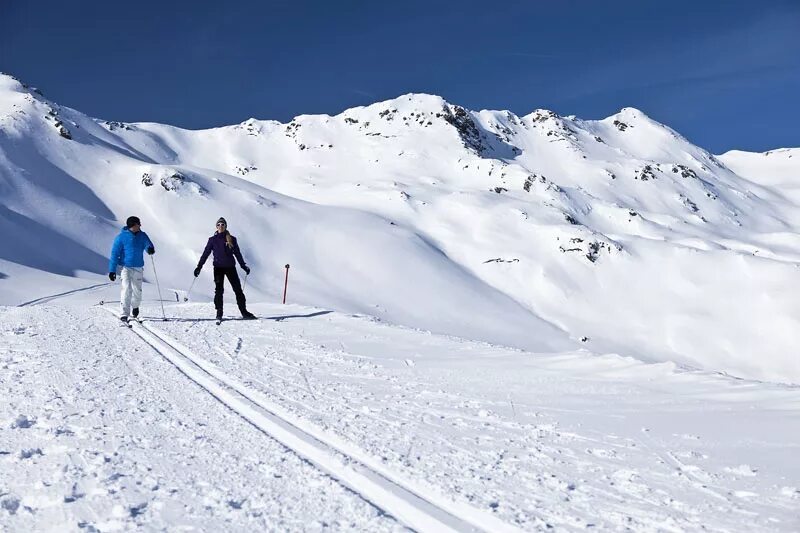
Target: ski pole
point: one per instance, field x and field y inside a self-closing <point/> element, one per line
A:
<point x="286" y="283"/>
<point x="163" y="315"/>
<point x="186" y="298"/>
<point x="244" y="286"/>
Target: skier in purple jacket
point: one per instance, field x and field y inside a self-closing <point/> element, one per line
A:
<point x="225" y="248"/>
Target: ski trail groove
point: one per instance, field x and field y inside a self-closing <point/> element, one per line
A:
<point x="50" y="298"/>
<point x="414" y="505"/>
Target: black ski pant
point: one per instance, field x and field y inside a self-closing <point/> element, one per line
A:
<point x="219" y="287"/>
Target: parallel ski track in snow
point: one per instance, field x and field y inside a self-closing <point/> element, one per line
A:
<point x="414" y="505"/>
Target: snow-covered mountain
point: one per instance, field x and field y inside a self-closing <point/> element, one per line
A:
<point x="540" y="232"/>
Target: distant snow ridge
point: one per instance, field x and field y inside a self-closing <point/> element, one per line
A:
<point x="540" y="232"/>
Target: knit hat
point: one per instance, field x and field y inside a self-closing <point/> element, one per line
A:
<point x="132" y="221"/>
<point x="222" y="219"/>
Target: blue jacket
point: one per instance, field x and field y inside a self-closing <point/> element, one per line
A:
<point x="128" y="249"/>
<point x="223" y="254"/>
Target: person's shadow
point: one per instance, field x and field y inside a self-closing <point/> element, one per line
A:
<point x="275" y="318"/>
<point x="310" y="315"/>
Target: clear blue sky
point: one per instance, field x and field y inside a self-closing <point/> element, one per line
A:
<point x="725" y="74"/>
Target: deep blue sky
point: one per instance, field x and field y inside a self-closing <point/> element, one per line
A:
<point x="725" y="74"/>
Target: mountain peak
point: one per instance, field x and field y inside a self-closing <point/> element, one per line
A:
<point x="540" y="115"/>
<point x="631" y="114"/>
<point x="13" y="84"/>
<point x="407" y="103"/>
<point x="10" y="83"/>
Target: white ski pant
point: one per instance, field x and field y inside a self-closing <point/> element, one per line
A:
<point x="131" y="294"/>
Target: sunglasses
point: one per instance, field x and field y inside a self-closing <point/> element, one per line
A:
<point x="220" y="224"/>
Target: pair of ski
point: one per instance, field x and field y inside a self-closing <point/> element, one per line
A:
<point x="219" y="321"/>
<point x="128" y="321"/>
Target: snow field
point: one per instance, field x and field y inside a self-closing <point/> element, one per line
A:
<point x="401" y="499"/>
<point x="114" y="439"/>
<point x="534" y="440"/>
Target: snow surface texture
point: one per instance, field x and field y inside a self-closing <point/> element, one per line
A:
<point x="182" y="424"/>
<point x="533" y="232"/>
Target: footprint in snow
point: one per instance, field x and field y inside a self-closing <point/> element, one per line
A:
<point x="23" y="422"/>
<point x="27" y="454"/>
<point x="233" y="504"/>
<point x="74" y="495"/>
<point x="59" y="431"/>
<point x="10" y="504"/>
<point x="136" y="510"/>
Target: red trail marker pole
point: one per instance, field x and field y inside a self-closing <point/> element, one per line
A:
<point x="286" y="283"/>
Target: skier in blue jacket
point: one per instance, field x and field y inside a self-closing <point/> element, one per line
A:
<point x="225" y="248"/>
<point x="127" y="254"/>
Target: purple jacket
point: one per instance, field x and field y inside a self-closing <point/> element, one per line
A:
<point x="223" y="254"/>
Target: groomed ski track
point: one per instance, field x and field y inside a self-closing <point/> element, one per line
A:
<point x="413" y="505"/>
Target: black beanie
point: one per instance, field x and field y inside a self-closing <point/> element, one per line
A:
<point x="222" y="219"/>
<point x="132" y="221"/>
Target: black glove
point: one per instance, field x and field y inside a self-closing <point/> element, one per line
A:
<point x="246" y="269"/>
<point x="151" y="250"/>
<point x="196" y="271"/>
<point x="112" y="276"/>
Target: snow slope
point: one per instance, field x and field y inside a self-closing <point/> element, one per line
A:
<point x="310" y="419"/>
<point x="779" y="169"/>
<point x="539" y="232"/>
